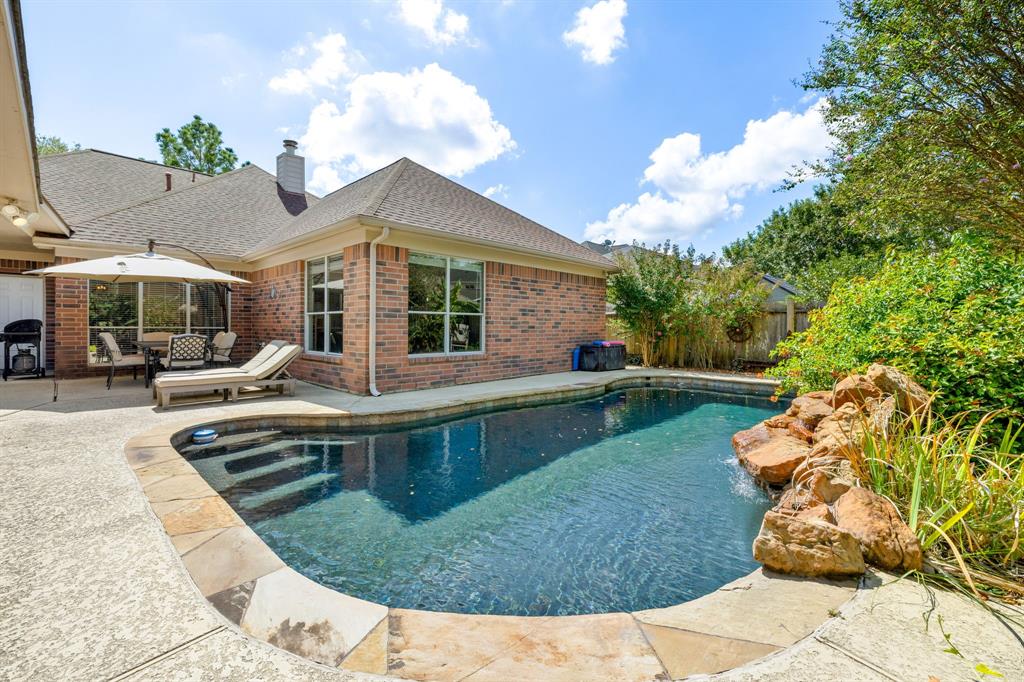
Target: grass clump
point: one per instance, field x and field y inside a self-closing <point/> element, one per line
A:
<point x="962" y="493"/>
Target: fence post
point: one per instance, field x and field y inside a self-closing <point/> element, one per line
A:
<point x="790" y="316"/>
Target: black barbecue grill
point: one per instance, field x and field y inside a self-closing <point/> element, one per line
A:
<point x="23" y="339"/>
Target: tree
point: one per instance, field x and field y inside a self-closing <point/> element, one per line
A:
<point x="926" y="100"/>
<point x="46" y="145"/>
<point x="815" y="242"/>
<point x="198" y="145"/>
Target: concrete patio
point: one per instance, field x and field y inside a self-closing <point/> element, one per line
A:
<point x="91" y="586"/>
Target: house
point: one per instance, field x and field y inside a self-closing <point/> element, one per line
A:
<point x="400" y="280"/>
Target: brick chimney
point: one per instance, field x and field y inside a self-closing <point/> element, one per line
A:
<point x="291" y="169"/>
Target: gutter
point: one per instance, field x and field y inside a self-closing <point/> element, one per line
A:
<point x="373" y="309"/>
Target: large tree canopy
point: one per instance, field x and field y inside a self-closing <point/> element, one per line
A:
<point x="926" y="101"/>
<point x="198" y="145"/>
<point x="51" y="144"/>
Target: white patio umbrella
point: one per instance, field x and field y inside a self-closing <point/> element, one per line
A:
<point x="139" y="267"/>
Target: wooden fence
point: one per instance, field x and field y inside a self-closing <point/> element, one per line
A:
<point x="776" y="323"/>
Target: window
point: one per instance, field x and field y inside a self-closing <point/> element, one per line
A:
<point x="129" y="310"/>
<point x="446" y="305"/>
<point x="325" y="305"/>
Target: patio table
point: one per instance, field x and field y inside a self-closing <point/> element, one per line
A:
<point x="151" y="350"/>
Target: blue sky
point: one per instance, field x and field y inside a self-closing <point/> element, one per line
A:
<point x="610" y="118"/>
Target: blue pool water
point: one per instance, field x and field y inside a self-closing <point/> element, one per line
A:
<point x="625" y="502"/>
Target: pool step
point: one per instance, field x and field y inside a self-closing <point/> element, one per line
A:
<point x="235" y="455"/>
<point x="260" y="499"/>
<point x="221" y="480"/>
<point x="231" y="439"/>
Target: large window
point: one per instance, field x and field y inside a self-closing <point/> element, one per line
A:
<point x="446" y="305"/>
<point x="325" y="305"/>
<point x="129" y="310"/>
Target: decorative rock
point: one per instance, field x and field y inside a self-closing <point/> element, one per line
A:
<point x="827" y="488"/>
<point x="794" y="500"/>
<point x="809" y="548"/>
<point x="819" y="512"/>
<point x="748" y="439"/>
<point x="798" y="429"/>
<point x="840" y="433"/>
<point x="775" y="460"/>
<point x="811" y="409"/>
<point x="909" y="395"/>
<point x="882" y="412"/>
<point x="886" y="541"/>
<point x="855" y="389"/>
<point x="779" y="421"/>
<point x="806" y="469"/>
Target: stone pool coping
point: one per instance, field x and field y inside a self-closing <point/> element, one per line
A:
<point x="252" y="588"/>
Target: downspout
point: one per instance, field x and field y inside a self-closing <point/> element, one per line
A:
<point x="373" y="309"/>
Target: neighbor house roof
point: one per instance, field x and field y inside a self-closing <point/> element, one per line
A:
<point x="113" y="199"/>
<point x="406" y="192"/>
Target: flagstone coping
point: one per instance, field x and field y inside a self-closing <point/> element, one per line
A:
<point x="245" y="581"/>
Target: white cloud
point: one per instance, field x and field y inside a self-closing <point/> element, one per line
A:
<point x="694" y="191"/>
<point x="440" y="26"/>
<point x="500" y="190"/>
<point x="427" y="114"/>
<point x="330" y="65"/>
<point x="598" y="31"/>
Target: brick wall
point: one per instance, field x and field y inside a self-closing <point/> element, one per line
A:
<point x="16" y="267"/>
<point x="534" y="318"/>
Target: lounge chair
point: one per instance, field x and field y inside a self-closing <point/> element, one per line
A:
<point x="270" y="372"/>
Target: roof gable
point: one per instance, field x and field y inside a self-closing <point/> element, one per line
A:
<point x="406" y="192"/>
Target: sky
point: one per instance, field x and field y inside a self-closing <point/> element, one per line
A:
<point x="606" y="119"/>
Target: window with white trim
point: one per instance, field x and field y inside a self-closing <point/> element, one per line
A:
<point x="446" y="305"/>
<point x="129" y="310"/>
<point x="325" y="305"/>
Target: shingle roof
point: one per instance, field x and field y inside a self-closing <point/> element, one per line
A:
<point x="228" y="214"/>
<point x="84" y="184"/>
<point x="406" y="192"/>
<point x="113" y="199"/>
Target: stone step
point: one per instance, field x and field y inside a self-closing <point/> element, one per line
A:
<point x="257" y="500"/>
<point x="232" y="439"/>
<point x="221" y="480"/>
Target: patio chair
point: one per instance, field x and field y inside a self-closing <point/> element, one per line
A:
<point x="119" y="360"/>
<point x="271" y="372"/>
<point x="460" y="336"/>
<point x="185" y="351"/>
<point x="220" y="349"/>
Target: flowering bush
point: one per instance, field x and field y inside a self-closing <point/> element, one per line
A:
<point x="954" y="320"/>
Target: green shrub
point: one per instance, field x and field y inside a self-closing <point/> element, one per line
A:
<point x="954" y="320"/>
<point x="961" y="495"/>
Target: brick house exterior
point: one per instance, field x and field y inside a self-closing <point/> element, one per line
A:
<point x="542" y="294"/>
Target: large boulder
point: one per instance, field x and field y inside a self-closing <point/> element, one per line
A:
<point x="886" y="541"/>
<point x="798" y="429"/>
<point x="810" y="408"/>
<point x="856" y="389"/>
<point x="828" y="486"/>
<point x="788" y="544"/>
<point x="841" y="433"/>
<point x="910" y="396"/>
<point x="748" y="439"/>
<point x="774" y="460"/>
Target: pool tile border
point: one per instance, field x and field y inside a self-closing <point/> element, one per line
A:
<point x="247" y="583"/>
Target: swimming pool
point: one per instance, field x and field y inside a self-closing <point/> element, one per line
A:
<point x="625" y="502"/>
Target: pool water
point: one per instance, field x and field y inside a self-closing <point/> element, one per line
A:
<point x="630" y="501"/>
